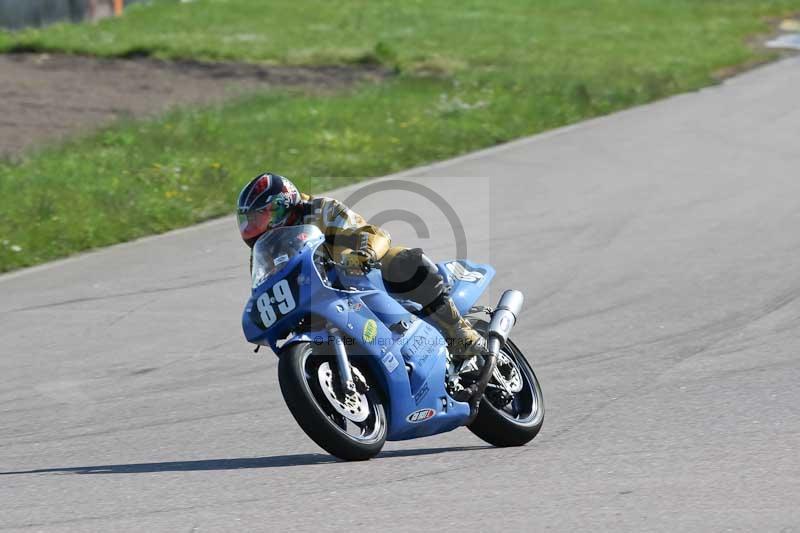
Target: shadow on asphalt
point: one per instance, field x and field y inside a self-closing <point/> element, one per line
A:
<point x="303" y="459"/>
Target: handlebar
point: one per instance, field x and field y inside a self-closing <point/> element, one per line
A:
<point x="366" y="267"/>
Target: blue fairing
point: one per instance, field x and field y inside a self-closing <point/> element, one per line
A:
<point x="468" y="281"/>
<point x="408" y="366"/>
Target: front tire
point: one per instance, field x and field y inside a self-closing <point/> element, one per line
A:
<point x="298" y="370"/>
<point x="518" y="422"/>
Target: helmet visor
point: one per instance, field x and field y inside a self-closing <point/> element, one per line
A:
<point x="254" y="222"/>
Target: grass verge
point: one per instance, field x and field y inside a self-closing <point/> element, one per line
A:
<point x="472" y="73"/>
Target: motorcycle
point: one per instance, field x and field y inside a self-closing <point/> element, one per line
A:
<point x="358" y="367"/>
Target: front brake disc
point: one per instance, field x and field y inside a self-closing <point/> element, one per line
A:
<point x="507" y="374"/>
<point x="353" y="406"/>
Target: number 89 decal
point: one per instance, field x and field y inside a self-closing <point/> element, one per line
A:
<point x="281" y="298"/>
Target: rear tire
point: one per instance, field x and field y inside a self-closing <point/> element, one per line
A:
<point x="313" y="412"/>
<point x="503" y="427"/>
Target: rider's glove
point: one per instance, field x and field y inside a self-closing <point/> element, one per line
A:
<point x="356" y="261"/>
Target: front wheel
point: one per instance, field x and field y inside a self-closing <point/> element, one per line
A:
<point x="349" y="426"/>
<point x="510" y="419"/>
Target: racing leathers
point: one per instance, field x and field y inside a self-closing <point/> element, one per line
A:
<point x="407" y="273"/>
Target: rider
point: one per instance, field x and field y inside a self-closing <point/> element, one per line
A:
<point x="271" y="201"/>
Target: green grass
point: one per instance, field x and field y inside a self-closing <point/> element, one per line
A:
<point x="471" y="74"/>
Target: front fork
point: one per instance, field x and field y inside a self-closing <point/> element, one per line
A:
<point x="342" y="362"/>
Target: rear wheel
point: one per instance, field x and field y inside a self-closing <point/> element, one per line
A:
<point x="510" y="419"/>
<point x="349" y="426"/>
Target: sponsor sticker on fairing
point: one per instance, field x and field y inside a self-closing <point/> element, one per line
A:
<point x="421" y="393"/>
<point x="390" y="362"/>
<point x="462" y="273"/>
<point x="421" y="416"/>
<point x="370" y="331"/>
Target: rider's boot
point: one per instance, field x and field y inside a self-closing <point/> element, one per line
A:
<point x="463" y="341"/>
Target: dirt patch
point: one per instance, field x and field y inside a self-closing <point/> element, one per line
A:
<point x="44" y="97"/>
<point x="778" y="26"/>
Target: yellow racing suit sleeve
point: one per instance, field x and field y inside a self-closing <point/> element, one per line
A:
<point x="345" y="229"/>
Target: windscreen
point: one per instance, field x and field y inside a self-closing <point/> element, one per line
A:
<point x="277" y="247"/>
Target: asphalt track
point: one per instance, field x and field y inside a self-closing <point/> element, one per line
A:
<point x="658" y="250"/>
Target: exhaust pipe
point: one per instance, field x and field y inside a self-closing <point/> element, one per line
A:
<point x="503" y="320"/>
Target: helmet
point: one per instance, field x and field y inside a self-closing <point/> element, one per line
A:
<point x="268" y="201"/>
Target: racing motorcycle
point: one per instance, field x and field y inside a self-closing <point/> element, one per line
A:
<point x="358" y="367"/>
